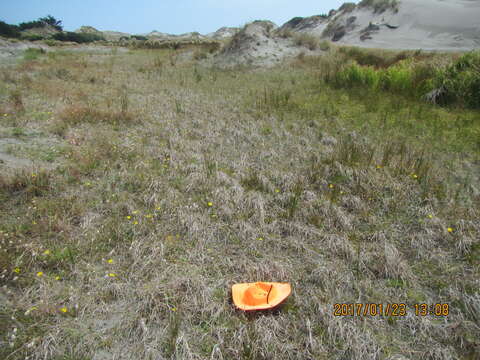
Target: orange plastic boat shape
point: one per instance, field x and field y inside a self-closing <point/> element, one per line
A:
<point x="260" y="295"/>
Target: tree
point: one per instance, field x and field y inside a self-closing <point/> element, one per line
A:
<point x="50" y="20"/>
<point x="8" y="30"/>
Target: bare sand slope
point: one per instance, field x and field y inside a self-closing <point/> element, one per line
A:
<point x="422" y="24"/>
<point x="417" y="24"/>
<point x="259" y="44"/>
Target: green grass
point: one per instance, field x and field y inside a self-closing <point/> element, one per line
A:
<point x="320" y="173"/>
<point x="33" y="54"/>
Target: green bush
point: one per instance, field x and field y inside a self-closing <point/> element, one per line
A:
<point x="32" y="37"/>
<point x="406" y="78"/>
<point x="9" y="31"/>
<point x="77" y="37"/>
<point x="460" y="81"/>
<point x="41" y="22"/>
<point x="50" y="20"/>
<point x="31" y="25"/>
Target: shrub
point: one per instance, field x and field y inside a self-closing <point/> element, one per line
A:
<point x="50" y="20"/>
<point x="324" y="45"/>
<point x="460" y="81"/>
<point x="31" y="25"/>
<point x="139" y="37"/>
<point x="32" y="53"/>
<point x="9" y="31"/>
<point x="406" y="78"/>
<point x="347" y="7"/>
<point x="42" y="22"/>
<point x="77" y="37"/>
<point x="200" y="54"/>
<point x="306" y="40"/>
<point x="75" y="115"/>
<point x="380" y="6"/>
<point x="286" y="33"/>
<point x="32" y="37"/>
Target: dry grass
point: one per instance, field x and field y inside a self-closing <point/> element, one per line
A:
<point x="353" y="198"/>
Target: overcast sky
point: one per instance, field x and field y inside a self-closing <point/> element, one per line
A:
<point x="170" y="16"/>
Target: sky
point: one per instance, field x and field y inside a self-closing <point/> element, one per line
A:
<point x="169" y="16"/>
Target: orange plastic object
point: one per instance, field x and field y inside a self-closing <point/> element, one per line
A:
<point x="260" y="295"/>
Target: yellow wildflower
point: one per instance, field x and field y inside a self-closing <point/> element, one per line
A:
<point x="110" y="261"/>
<point x="331" y="186"/>
<point x="129" y="217"/>
<point x="450" y="230"/>
<point x="260" y="238"/>
<point x="277" y="190"/>
<point x="149" y="216"/>
<point x="63" y="309"/>
<point x="379" y="166"/>
<point x="157" y="208"/>
<point x="135" y="222"/>
<point x="174" y="309"/>
<point x="210" y="203"/>
<point x="135" y="212"/>
<point x="17" y="270"/>
<point x="112" y="275"/>
<point x="57" y="278"/>
<point x="46" y="252"/>
<point x="430" y="216"/>
<point x="40" y="273"/>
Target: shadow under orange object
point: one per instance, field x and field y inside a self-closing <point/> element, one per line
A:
<point x="260" y="295"/>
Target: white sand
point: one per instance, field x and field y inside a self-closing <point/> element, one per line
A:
<point x="422" y="24"/>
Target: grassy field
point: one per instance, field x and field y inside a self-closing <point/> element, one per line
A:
<point x="157" y="183"/>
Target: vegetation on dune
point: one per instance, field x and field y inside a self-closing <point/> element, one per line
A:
<point x="9" y="31"/>
<point x="347" y="7"/>
<point x="412" y="74"/>
<point x="170" y="181"/>
<point x="380" y="6"/>
<point x="309" y="41"/>
<point x="42" y="22"/>
<point x="77" y="37"/>
<point x="21" y="31"/>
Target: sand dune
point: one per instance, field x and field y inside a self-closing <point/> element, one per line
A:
<point x="418" y="24"/>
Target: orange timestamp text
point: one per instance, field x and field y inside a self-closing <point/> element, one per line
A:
<point x="394" y="309"/>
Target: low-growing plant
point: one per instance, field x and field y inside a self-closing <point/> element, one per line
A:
<point x="324" y="45"/>
<point x="33" y="53"/>
<point x="200" y="54"/>
<point x="74" y="115"/>
<point x="347" y="7"/>
<point x="307" y="40"/>
<point x="460" y="81"/>
<point x="380" y="6"/>
<point x="32" y="37"/>
<point x="16" y="101"/>
<point x="77" y="37"/>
